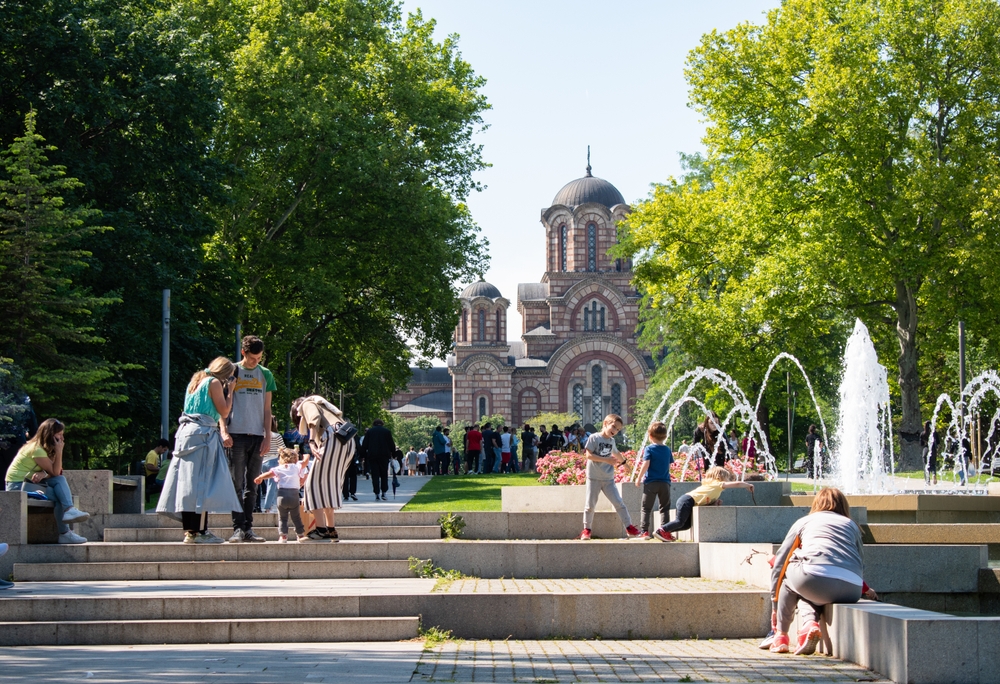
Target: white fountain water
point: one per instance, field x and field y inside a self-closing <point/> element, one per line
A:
<point x="863" y="458"/>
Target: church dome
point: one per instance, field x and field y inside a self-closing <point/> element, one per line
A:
<point x="480" y="289"/>
<point x="588" y="189"/>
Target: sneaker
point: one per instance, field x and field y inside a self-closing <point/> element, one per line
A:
<point x="208" y="538"/>
<point x="809" y="637"/>
<point x="643" y="536"/>
<point x="768" y="640"/>
<point x="4" y="584"/>
<point x="282" y="538"/>
<point x="74" y="515"/>
<point x="251" y="536"/>
<point x="585" y="535"/>
<point x="780" y="644"/>
<point x="353" y="498"/>
<point x="189" y="537"/>
<point x="663" y="535"/>
<point x="238" y="537"/>
<point x="332" y="535"/>
<point x="316" y="536"/>
<point x="306" y="539"/>
<point x="71" y="537"/>
<point x="632" y="531"/>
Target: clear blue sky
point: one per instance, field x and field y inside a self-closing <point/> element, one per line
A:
<point x="562" y="75"/>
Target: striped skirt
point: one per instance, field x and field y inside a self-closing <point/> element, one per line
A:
<point x="326" y="474"/>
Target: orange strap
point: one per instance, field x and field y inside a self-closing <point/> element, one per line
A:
<point x="784" y="567"/>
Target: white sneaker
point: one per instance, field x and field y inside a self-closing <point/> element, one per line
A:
<point x="71" y="537"/>
<point x="73" y="515"/>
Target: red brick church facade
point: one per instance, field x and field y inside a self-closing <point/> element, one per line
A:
<point x="577" y="351"/>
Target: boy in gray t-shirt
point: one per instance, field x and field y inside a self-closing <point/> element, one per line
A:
<point x="602" y="458"/>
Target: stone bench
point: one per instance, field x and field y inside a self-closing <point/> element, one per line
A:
<point x="24" y="520"/>
<point x="749" y="524"/>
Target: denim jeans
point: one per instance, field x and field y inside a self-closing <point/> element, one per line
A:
<point x="496" y="460"/>
<point x="244" y="465"/>
<point x="270" y="487"/>
<point x="56" y="490"/>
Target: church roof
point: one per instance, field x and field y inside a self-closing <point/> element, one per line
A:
<point x="480" y="288"/>
<point x="588" y="189"/>
<point x="426" y="376"/>
<point x="532" y="292"/>
<point x="540" y="330"/>
<point x="435" y="401"/>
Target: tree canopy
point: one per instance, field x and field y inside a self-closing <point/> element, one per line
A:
<point x="851" y="170"/>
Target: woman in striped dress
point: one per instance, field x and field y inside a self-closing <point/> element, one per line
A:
<point x="331" y="458"/>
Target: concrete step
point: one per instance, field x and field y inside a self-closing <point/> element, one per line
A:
<point x="210" y="570"/>
<point x="541" y="559"/>
<point x="347" y="533"/>
<point x="267" y="630"/>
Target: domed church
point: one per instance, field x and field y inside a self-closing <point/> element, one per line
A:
<point x="577" y="350"/>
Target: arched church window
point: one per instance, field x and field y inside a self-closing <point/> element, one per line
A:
<point x="597" y="400"/>
<point x="465" y="326"/>
<point x="616" y="399"/>
<point x="482" y="407"/>
<point x="482" y="325"/>
<point x="618" y="265"/>
<point x="591" y="247"/>
<point x="593" y="317"/>
<point x="578" y="400"/>
<point x="499" y="339"/>
<point x="562" y="247"/>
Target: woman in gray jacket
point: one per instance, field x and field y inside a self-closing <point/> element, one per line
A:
<point x="820" y="562"/>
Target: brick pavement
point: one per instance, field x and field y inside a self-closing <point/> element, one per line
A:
<point x="548" y="662"/>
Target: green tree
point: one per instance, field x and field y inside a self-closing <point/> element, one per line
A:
<point x="348" y="131"/>
<point x="123" y="90"/>
<point x="47" y="331"/>
<point x="852" y="149"/>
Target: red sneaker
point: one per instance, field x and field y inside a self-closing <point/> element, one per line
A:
<point x="585" y="535"/>
<point x="632" y="531"/>
<point x="663" y="535"/>
<point x="643" y="536"/>
<point x="780" y="643"/>
<point x="809" y="637"/>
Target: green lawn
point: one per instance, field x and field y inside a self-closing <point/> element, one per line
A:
<point x="947" y="475"/>
<point x="467" y="492"/>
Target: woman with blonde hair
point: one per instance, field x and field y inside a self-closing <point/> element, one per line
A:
<point x="198" y="481"/>
<point x="38" y="467"/>
<point x="820" y="562"/>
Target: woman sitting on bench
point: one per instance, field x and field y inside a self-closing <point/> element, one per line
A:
<point x="38" y="466"/>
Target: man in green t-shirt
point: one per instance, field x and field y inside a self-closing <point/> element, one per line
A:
<point x="247" y="433"/>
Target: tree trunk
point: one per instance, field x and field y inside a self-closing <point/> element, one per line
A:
<point x="910" y="423"/>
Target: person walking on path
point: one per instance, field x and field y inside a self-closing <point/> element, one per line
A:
<point x="198" y="479"/>
<point x="930" y="442"/>
<point x="378" y="448"/>
<point x="331" y="455"/>
<point x="602" y="459"/>
<point x="654" y="477"/>
<point x="716" y="480"/>
<point x="247" y="433"/>
<point x="441" y="457"/>
<point x="821" y="561"/>
<point x="38" y="466"/>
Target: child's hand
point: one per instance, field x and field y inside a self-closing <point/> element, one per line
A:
<point x="258" y="479"/>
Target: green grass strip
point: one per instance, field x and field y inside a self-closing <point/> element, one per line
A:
<point x="449" y="493"/>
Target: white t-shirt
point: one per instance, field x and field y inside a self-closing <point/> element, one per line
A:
<point x="411" y="459"/>
<point x="505" y="442"/>
<point x="421" y="457"/>
<point x="447" y="444"/>
<point x="287" y="475"/>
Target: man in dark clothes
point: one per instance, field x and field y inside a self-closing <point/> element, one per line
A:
<point x="489" y="457"/>
<point x="378" y="448"/>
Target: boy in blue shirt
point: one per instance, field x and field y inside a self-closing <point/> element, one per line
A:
<point x="656" y="460"/>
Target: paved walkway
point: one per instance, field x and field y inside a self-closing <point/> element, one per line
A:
<point x="537" y="662"/>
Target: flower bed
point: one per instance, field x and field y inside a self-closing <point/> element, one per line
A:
<point x="570" y="468"/>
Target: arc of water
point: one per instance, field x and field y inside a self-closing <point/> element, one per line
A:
<point x="812" y="394"/>
<point x="938" y="404"/>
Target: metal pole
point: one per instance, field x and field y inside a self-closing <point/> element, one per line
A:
<point x="165" y="370"/>
<point x="961" y="362"/>
<point x="288" y="382"/>
<point x="788" y="401"/>
<point x="239" y="342"/>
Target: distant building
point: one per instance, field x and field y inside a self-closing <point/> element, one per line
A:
<point x="577" y="350"/>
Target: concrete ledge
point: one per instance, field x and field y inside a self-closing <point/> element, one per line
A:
<point x="955" y="533"/>
<point x="210" y="570"/>
<point x="565" y="498"/>
<point x="888" y="569"/>
<point x="748" y="524"/>
<point x="207" y="631"/>
<point x="905" y="644"/>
